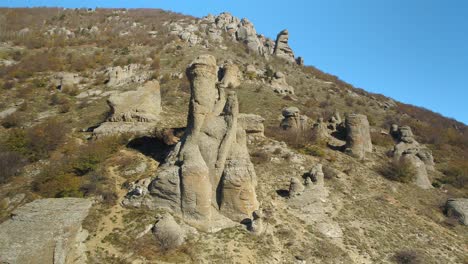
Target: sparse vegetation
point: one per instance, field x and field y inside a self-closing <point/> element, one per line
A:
<point x="398" y="171"/>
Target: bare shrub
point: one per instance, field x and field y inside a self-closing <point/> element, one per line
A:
<point x="380" y="139"/>
<point x="407" y="257"/>
<point x="398" y="171"/>
<point x="10" y="164"/>
<point x="13" y="120"/>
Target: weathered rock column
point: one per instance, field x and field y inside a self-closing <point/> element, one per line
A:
<point x="358" y="139"/>
<point x="195" y="175"/>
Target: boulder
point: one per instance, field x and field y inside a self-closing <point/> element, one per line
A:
<point x="279" y="85"/>
<point x="358" y="139"/>
<point x="45" y="231"/>
<point x="231" y="75"/>
<point x="253" y="124"/>
<point x="295" y="187"/>
<point x="168" y="232"/>
<point x="316" y="176"/>
<point x="135" y="112"/>
<point x="293" y="120"/>
<point x="65" y="80"/>
<point x="209" y="172"/>
<point x="282" y="48"/>
<point x="458" y="209"/>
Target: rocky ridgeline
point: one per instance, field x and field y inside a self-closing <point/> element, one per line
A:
<point x="213" y="28"/>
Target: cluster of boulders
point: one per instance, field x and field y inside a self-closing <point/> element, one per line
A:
<point x="209" y="175"/>
<point x="409" y="151"/>
<point x="242" y="30"/>
<point x="135" y="112"/>
<point x="46" y="231"/>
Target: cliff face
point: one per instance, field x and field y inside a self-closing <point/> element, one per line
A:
<point x="202" y="141"/>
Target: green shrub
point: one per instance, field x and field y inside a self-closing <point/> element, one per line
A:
<point x="398" y="171"/>
<point x="407" y="257"/>
<point x="312" y="150"/>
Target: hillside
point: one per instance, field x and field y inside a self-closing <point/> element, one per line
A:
<point x="117" y="106"/>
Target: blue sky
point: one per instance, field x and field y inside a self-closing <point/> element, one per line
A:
<point x="415" y="51"/>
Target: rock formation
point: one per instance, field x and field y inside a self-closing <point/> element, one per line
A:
<point x="279" y="85"/>
<point x="410" y="151"/>
<point x="458" y="209"/>
<point x="45" y="231"/>
<point x="65" y="80"/>
<point x="319" y="129"/>
<point x="295" y="187"/>
<point x="315" y="177"/>
<point x="358" y="139"/>
<point x="253" y="124"/>
<point x="168" y="233"/>
<point x="209" y="172"/>
<point x="231" y="75"/>
<point x="135" y="112"/>
<point x="282" y="48"/>
<point x="293" y="119"/>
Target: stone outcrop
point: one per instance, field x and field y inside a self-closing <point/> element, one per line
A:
<point x="408" y="150"/>
<point x="168" y="232"/>
<point x="209" y="172"/>
<point x="65" y="80"/>
<point x="279" y="85"/>
<point x="358" y="139"/>
<point x="118" y="76"/>
<point x="458" y="209"/>
<point x="135" y="112"/>
<point x="253" y="124"/>
<point x="282" y="48"/>
<point x="295" y="187"/>
<point x="45" y="231"/>
<point x="320" y="130"/>
<point x="231" y="75"/>
<point x="315" y="177"/>
<point x="293" y="120"/>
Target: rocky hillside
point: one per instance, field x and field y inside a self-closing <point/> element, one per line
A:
<point x="145" y="136"/>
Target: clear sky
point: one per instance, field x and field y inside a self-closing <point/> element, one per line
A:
<point x="415" y="51"/>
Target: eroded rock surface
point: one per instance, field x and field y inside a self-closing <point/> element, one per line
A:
<point x="45" y="231"/>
